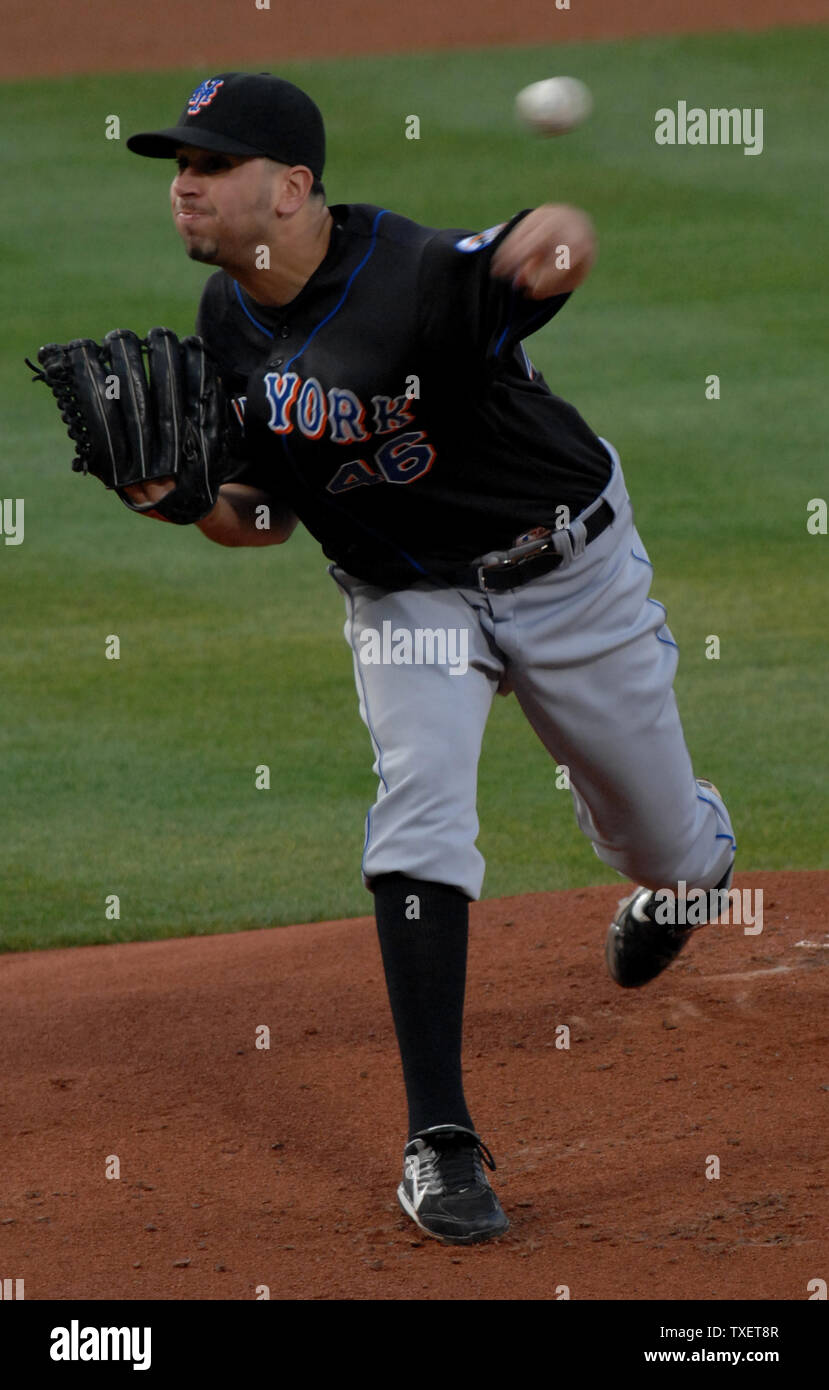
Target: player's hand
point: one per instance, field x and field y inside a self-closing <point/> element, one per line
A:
<point x="549" y="252"/>
<point x="151" y="490"/>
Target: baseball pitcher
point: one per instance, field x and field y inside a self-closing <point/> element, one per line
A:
<point x="367" y="376"/>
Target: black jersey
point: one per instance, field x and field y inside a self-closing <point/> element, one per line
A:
<point x="391" y="403"/>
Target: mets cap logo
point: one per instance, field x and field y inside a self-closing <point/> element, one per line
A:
<point x="480" y="239"/>
<point x="203" y="95"/>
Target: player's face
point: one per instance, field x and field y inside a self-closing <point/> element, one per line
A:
<point x="223" y="204"/>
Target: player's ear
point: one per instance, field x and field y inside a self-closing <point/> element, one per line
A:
<point x="296" y="186"/>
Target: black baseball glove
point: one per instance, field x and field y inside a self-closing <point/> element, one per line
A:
<point x="130" y="424"/>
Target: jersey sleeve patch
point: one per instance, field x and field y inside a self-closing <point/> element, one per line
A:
<point x="479" y="240"/>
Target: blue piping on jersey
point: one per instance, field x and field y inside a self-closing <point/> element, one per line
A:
<point x="267" y="332"/>
<point x="507" y="324"/>
<point x="352" y="277"/>
<point x="262" y="329"/>
<point x="404" y="553"/>
<point x="527" y="326"/>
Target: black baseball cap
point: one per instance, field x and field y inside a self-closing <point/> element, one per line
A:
<point x="244" y="113"/>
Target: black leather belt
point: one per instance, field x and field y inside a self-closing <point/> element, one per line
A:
<point x="500" y="570"/>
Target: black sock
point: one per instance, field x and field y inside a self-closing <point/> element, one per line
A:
<point x="423" y="930"/>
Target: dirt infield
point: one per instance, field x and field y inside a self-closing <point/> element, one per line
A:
<point x="242" y="1166"/>
<point x="100" y="37"/>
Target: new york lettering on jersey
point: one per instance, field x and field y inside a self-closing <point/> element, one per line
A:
<point x="341" y="415"/>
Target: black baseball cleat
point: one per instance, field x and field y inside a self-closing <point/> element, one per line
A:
<point x="638" y="946"/>
<point x="445" y="1189"/>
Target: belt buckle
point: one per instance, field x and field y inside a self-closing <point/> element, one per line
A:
<point x="488" y="563"/>
<point x="502" y="560"/>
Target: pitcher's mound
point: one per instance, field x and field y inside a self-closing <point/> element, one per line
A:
<point x="194" y="1119"/>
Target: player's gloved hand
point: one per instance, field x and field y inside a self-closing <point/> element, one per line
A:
<point x="159" y="433"/>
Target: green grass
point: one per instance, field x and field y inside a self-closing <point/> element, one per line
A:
<point x="136" y="777"/>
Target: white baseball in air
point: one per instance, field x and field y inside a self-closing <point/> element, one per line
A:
<point x="554" y="106"/>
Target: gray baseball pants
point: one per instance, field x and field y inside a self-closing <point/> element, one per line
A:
<point x="591" y="661"/>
